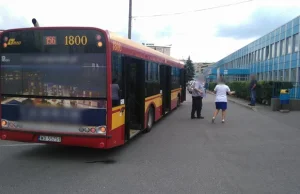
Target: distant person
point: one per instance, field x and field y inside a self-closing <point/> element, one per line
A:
<point x="115" y="90"/>
<point x="206" y="86"/>
<point x="253" y="85"/>
<point x="221" y="90"/>
<point x="197" y="95"/>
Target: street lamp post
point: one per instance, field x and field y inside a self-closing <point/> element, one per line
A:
<point x="129" y="19"/>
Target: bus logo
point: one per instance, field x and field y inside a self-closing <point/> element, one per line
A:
<point x="4" y="59"/>
<point x="12" y="41"/>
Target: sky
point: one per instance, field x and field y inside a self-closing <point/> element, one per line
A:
<point x="205" y="36"/>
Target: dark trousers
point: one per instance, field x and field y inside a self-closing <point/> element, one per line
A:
<point x="253" y="97"/>
<point x="196" y="106"/>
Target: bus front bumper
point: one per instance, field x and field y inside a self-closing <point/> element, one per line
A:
<point x="91" y="141"/>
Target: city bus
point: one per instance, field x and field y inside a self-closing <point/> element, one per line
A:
<point x="83" y="86"/>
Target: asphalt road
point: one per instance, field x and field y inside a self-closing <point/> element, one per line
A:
<point x="250" y="153"/>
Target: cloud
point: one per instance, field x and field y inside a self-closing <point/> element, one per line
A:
<point x="164" y="33"/>
<point x="8" y="20"/>
<point x="134" y="35"/>
<point x="191" y="34"/>
<point x="262" y="21"/>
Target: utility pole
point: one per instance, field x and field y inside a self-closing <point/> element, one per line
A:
<point x="129" y="19"/>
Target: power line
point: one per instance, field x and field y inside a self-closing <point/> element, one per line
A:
<point x="198" y="10"/>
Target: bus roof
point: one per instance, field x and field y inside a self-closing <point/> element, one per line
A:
<point x="129" y="47"/>
<point x="143" y="52"/>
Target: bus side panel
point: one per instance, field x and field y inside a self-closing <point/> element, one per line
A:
<point x="174" y="97"/>
<point x="117" y="131"/>
<point x="156" y="102"/>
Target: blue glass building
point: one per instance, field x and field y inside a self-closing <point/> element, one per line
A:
<point x="274" y="56"/>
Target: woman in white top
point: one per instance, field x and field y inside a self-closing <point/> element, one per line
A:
<point x="221" y="90"/>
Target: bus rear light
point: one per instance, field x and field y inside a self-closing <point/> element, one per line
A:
<point x="99" y="44"/>
<point x="99" y="129"/>
<point x="4" y="123"/>
<point x="3" y="137"/>
<point x="102" y="145"/>
<point x="102" y="129"/>
<point x="98" y="37"/>
<point x="93" y="130"/>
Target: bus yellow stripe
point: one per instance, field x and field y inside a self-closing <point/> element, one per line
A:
<point x="118" y="117"/>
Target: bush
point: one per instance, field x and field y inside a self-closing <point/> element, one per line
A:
<point x="265" y="90"/>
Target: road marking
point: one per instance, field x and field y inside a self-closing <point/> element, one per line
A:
<point x="16" y="145"/>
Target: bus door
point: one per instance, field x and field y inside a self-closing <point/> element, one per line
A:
<point x="134" y="84"/>
<point x="165" y="84"/>
<point x="183" y="84"/>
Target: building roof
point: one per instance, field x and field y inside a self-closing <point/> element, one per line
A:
<point x="254" y="43"/>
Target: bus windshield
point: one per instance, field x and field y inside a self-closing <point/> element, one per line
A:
<point x="53" y="63"/>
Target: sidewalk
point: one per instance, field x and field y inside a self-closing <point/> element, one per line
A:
<point x="242" y="102"/>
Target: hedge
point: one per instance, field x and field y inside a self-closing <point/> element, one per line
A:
<point x="264" y="92"/>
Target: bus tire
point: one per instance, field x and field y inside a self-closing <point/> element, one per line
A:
<point x="150" y="120"/>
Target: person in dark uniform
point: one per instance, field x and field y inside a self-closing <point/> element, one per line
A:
<point x="253" y="84"/>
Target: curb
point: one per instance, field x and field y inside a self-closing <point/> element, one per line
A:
<point x="236" y="102"/>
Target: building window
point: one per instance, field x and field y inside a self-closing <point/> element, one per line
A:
<point x="249" y="58"/>
<point x="256" y="54"/>
<point x="280" y="78"/>
<point x="282" y="47"/>
<point x="286" y="75"/>
<point x="293" y="75"/>
<point x="277" y="49"/>
<point x="263" y="54"/>
<point x="289" y="45"/>
<point x="296" y="43"/>
<point x="274" y="75"/>
<point x="273" y="51"/>
<point x="267" y="52"/>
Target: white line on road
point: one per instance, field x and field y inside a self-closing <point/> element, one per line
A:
<point x="17" y="145"/>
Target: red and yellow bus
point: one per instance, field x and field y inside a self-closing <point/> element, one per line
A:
<point x="82" y="86"/>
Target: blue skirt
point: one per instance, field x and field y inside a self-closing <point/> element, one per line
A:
<point x="221" y="105"/>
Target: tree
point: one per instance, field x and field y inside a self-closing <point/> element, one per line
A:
<point x="190" y="70"/>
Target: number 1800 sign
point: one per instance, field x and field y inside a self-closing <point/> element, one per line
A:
<point x="75" y="40"/>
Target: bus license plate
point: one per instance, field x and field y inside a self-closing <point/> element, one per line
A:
<point x="50" y="138"/>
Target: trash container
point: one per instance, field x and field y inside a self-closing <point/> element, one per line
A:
<point x="284" y="97"/>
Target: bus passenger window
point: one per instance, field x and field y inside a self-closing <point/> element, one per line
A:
<point x="116" y="85"/>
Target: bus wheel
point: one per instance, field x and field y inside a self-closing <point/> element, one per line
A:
<point x="150" y="120"/>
